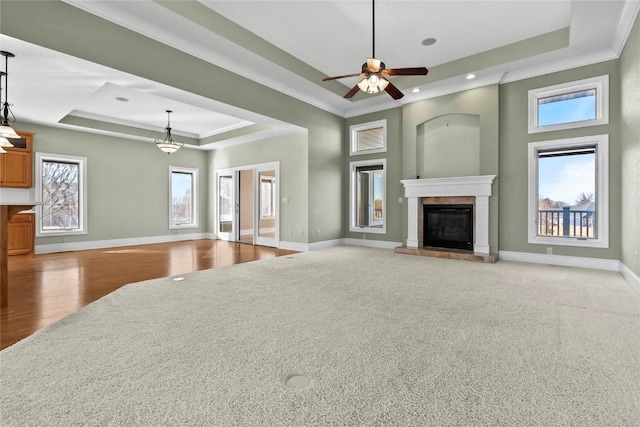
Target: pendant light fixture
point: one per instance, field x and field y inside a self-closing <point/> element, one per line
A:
<point x="168" y="145"/>
<point x="6" y="131"/>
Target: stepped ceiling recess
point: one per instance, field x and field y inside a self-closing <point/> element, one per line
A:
<point x="292" y="45"/>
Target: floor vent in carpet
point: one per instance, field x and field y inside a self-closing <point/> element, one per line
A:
<point x="298" y="382"/>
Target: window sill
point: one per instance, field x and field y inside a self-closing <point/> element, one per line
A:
<point x="372" y="230"/>
<point x="570" y="241"/>
<point x="58" y="233"/>
<point x="182" y="226"/>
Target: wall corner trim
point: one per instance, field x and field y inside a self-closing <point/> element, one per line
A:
<point x="631" y="277"/>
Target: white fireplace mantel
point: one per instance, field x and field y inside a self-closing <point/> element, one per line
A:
<point x="476" y="186"/>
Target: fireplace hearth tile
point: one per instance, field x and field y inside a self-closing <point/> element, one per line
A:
<point x="457" y="254"/>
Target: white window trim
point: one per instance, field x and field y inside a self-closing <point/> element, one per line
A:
<point x="82" y="182"/>
<point x="600" y="84"/>
<point x="353" y="137"/>
<point x="352" y="197"/>
<point x="602" y="191"/>
<point x="194" y="199"/>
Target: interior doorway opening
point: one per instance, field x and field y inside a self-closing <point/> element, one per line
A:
<point x="247" y="204"/>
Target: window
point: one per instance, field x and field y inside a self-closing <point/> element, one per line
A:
<point x="367" y="196"/>
<point x="183" y="190"/>
<point x="568" y="192"/>
<point x="267" y="196"/>
<point x="61" y="186"/>
<point x="569" y="105"/>
<point x="369" y="137"/>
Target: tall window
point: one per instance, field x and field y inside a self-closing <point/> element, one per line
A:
<point x="61" y="186"/>
<point x="568" y="185"/>
<point x="369" y="137"/>
<point x="183" y="184"/>
<point x="267" y="196"/>
<point x="569" y="105"/>
<point x="368" y="200"/>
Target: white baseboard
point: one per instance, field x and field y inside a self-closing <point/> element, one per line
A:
<point x="380" y="244"/>
<point x="326" y="244"/>
<point x="562" y="260"/>
<point x="101" y="244"/>
<point x="571" y="261"/>
<point x="293" y="246"/>
<point x="630" y="276"/>
<point x="304" y="247"/>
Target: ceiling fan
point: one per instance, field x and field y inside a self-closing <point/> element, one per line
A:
<point x="376" y="74"/>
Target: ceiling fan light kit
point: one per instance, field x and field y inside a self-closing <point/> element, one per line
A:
<point x="374" y="73"/>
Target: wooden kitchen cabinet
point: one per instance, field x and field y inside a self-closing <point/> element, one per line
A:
<point x="16" y="165"/>
<point x="21" y="234"/>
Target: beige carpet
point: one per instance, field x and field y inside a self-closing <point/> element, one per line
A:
<point x="386" y="339"/>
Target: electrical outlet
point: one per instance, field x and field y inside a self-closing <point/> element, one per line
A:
<point x="300" y="233"/>
<point x="290" y="232"/>
<point x="364" y="237"/>
<point x="317" y="232"/>
<point x="549" y="251"/>
<point x="65" y="240"/>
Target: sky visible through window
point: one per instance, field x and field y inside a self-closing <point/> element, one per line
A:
<point x="377" y="185"/>
<point x="568" y="108"/>
<point x="180" y="183"/>
<point x="565" y="178"/>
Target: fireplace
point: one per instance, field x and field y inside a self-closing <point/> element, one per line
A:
<point x="448" y="226"/>
<point x="476" y="187"/>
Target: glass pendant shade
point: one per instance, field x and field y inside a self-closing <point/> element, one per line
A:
<point x="373" y="84"/>
<point x="7" y="131"/>
<point x="4" y="142"/>
<point x="168" y="147"/>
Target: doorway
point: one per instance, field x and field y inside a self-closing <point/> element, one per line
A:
<point x="247" y="204"/>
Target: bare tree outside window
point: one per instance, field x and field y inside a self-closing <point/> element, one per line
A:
<point x="60" y="195"/>
<point x="182" y="198"/>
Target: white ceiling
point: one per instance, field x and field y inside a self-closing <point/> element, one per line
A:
<point x="330" y="37"/>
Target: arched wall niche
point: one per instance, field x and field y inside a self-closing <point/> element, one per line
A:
<point x="448" y="146"/>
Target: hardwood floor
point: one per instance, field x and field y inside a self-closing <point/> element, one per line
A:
<point x="45" y="288"/>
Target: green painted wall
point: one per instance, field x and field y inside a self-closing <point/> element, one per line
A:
<point x="127" y="183"/>
<point x="292" y="152"/>
<point x="440" y="137"/>
<point x="630" y="151"/>
<point x="325" y="177"/>
<point x="514" y="138"/>
<point x="394" y="189"/>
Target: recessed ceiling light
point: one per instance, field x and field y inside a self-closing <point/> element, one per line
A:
<point x="122" y="99"/>
<point x="471" y="76"/>
<point x="416" y="90"/>
<point x="429" y="41"/>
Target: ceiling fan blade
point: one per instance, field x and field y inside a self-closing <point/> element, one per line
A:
<point x="393" y="91"/>
<point x="416" y="71"/>
<point x="352" y="92"/>
<point x="342" y="77"/>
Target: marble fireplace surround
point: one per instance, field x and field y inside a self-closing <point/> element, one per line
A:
<point x="478" y="187"/>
